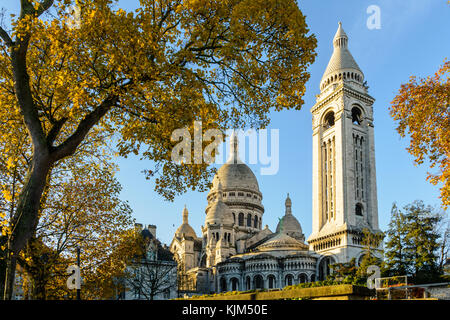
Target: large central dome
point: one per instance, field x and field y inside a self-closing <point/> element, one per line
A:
<point x="236" y="176"/>
<point x="239" y="190"/>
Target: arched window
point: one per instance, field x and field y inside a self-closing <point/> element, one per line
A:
<point x="324" y="267"/>
<point x="359" y="209"/>
<point x="249" y="220"/>
<point x="223" y="284"/>
<point x="255" y="222"/>
<point x="313" y="277"/>
<point x="258" y="282"/>
<point x="329" y="120"/>
<point x="360" y="260"/>
<point x="247" y="282"/>
<point x="302" y="278"/>
<point x="234" y="284"/>
<point x="272" y="281"/>
<point x="289" y="280"/>
<point x="234" y="218"/>
<point x="356" y="115"/>
<point x="241" y="219"/>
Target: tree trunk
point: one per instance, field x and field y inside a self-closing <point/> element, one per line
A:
<point x="39" y="289"/>
<point x="26" y="216"/>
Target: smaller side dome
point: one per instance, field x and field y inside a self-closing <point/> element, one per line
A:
<point x="282" y="241"/>
<point x="219" y="212"/>
<point x="288" y="224"/>
<point x="185" y="229"/>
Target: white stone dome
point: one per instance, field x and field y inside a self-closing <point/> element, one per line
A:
<point x="282" y="241"/>
<point x="185" y="229"/>
<point x="236" y="176"/>
<point x="289" y="224"/>
<point x="218" y="212"/>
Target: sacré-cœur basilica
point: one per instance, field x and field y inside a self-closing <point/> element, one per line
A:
<point x="235" y="252"/>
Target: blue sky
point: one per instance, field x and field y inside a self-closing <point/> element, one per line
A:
<point x="414" y="39"/>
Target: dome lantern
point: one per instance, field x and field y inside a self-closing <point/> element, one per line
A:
<point x="340" y="38"/>
<point x="185" y="215"/>
<point x="288" y="204"/>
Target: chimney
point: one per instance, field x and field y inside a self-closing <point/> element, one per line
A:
<point x="152" y="229"/>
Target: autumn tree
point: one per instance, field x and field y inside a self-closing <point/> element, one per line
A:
<point x="86" y="213"/>
<point x="140" y="75"/>
<point x="43" y="271"/>
<point x="82" y="210"/>
<point x="80" y="207"/>
<point x="103" y="279"/>
<point x="422" y="111"/>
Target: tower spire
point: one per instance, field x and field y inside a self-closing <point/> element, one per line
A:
<point x="340" y="38"/>
<point x="342" y="66"/>
<point x="185" y="215"/>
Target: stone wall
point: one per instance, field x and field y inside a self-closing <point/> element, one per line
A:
<point x="337" y="292"/>
<point x="438" y="292"/>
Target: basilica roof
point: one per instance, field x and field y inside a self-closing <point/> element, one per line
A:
<point x="282" y="242"/>
<point x="185" y="230"/>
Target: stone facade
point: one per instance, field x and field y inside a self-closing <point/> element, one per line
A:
<point x="153" y="276"/>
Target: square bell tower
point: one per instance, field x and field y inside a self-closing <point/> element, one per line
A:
<point x="344" y="176"/>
